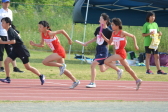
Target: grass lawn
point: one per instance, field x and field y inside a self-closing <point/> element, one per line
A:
<point x="80" y="71"/>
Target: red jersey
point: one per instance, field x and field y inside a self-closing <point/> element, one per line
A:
<point x="120" y="43"/>
<point x="54" y="44"/>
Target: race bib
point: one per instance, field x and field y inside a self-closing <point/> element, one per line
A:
<point x="49" y="43"/>
<point x="100" y="40"/>
<point x="116" y="41"/>
<point x="153" y="30"/>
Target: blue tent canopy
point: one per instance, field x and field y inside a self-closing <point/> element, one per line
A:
<point x="131" y="12"/>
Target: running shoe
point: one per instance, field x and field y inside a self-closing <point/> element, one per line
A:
<point x="75" y="84"/>
<point x="119" y="73"/>
<point x="42" y="79"/>
<point x="91" y="85"/>
<point x="62" y="68"/>
<point x="2" y="69"/>
<point x="6" y="80"/>
<point x="149" y="72"/>
<point x="15" y="69"/>
<point x="138" y="83"/>
<point x="161" y="72"/>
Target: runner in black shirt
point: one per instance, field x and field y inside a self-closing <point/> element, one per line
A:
<point x="19" y="50"/>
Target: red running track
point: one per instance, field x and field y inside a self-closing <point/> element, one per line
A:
<point x="58" y="90"/>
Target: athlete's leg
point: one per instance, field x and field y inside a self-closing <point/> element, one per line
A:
<point x="67" y="72"/>
<point x="110" y="61"/>
<point x="128" y="68"/>
<point x="6" y="63"/>
<point x="50" y="60"/>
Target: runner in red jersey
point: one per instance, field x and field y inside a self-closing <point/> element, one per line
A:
<point x="119" y="41"/>
<point x="53" y="44"/>
<point x="57" y="58"/>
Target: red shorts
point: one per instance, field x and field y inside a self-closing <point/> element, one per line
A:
<point x="60" y="51"/>
<point x="122" y="53"/>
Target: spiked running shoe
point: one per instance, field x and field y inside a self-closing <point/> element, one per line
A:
<point x="42" y="79"/>
<point x="75" y="84"/>
<point x="138" y="83"/>
<point x="119" y="73"/>
<point x="6" y="80"/>
<point x="91" y="85"/>
<point x="62" y="68"/>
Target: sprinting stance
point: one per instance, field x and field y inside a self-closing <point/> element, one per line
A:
<point x="119" y="40"/>
<point x="149" y="28"/>
<point x="56" y="59"/>
<point x="101" y="50"/>
<point x="19" y="50"/>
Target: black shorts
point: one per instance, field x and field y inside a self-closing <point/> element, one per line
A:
<point x="7" y="47"/>
<point x="101" y="54"/>
<point x="149" y="51"/>
<point x="13" y="56"/>
<point x="20" y="52"/>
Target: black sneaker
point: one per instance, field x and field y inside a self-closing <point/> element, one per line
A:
<point x="15" y="69"/>
<point x="2" y="69"/>
<point x="161" y="72"/>
<point x="42" y="79"/>
<point x="7" y="80"/>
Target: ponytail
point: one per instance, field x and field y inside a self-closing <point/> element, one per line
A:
<point x="45" y="24"/>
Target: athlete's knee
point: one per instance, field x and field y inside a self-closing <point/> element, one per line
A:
<point x="7" y="61"/>
<point x="102" y="70"/>
<point x="28" y="67"/>
<point x="44" y="62"/>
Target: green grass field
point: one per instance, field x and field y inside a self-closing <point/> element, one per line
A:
<point x="80" y="71"/>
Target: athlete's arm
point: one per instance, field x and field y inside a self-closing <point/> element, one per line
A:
<point x="90" y="41"/>
<point x="106" y="39"/>
<point x="53" y="33"/>
<point x="111" y="41"/>
<point x="7" y="42"/>
<point x="41" y="44"/>
<point x="124" y="33"/>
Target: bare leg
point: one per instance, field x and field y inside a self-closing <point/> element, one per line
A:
<point x="110" y="61"/>
<point x="67" y="72"/>
<point x="148" y="61"/>
<point x="93" y="70"/>
<point x="128" y="69"/>
<point x="103" y="67"/>
<point x="6" y="63"/>
<point x="157" y="61"/>
<point x="49" y="61"/>
<point x="32" y="69"/>
<point x="14" y="63"/>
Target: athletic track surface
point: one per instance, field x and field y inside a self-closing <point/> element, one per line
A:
<point x="58" y="90"/>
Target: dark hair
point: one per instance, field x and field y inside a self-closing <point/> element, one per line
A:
<point x="45" y="24"/>
<point x="117" y="22"/>
<point x="148" y="15"/>
<point x="8" y="20"/>
<point x="106" y="18"/>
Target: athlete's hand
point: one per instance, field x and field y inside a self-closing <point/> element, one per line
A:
<point x="32" y="43"/>
<point x="136" y="47"/>
<point x="70" y="42"/>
